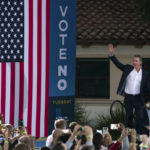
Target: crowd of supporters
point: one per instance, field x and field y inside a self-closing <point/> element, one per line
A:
<point x="75" y="137"/>
<point x="78" y="137"/>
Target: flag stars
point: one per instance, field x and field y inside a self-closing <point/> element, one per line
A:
<point x="18" y="51"/>
<point x="15" y="3"/>
<point x="21" y="57"/>
<point x="15" y="57"/>
<point x="5" y="30"/>
<point x="15" y="46"/>
<point x="5" y="41"/>
<point x="8" y="56"/>
<point x="12" y="41"/>
<point x="2" y="24"/>
<point x="18" y="41"/>
<point x="15" y="14"/>
<point x="8" y="3"/>
<point x="8" y="46"/>
<point x="18" y="30"/>
<point x="5" y="19"/>
<point x="8" y="35"/>
<point x="11" y="51"/>
<point x="15" y="35"/>
<point x="2" y="13"/>
<point x="5" y="51"/>
<point x="21" y="24"/>
<point x="12" y="19"/>
<point x="18" y="8"/>
<point x="12" y="8"/>
<point x="15" y="24"/>
<point x="5" y="8"/>
<point x="21" y="14"/>
<point x="21" y="46"/>
<point x="18" y="19"/>
<point x="12" y="30"/>
<point x="21" y="3"/>
<point x="8" y="14"/>
<point x="8" y="24"/>
<point x="2" y="2"/>
<point x="2" y="57"/>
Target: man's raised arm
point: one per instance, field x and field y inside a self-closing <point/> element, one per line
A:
<point x="113" y="58"/>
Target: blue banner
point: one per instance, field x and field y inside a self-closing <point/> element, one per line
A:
<point x="62" y="47"/>
<point x="60" y="108"/>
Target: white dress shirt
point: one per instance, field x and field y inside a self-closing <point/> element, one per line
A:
<point x="133" y="82"/>
<point x="49" y="140"/>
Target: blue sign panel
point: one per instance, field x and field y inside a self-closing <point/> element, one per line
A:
<point x="62" y="47"/>
<point x="60" y="108"/>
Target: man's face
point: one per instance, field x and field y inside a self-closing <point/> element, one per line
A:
<point x="136" y="62"/>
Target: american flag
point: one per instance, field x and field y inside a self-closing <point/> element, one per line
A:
<point x="24" y="63"/>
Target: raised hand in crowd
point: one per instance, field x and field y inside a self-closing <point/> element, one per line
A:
<point x="89" y="133"/>
<point x="56" y="135"/>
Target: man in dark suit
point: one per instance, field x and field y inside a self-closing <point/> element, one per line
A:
<point x="134" y="86"/>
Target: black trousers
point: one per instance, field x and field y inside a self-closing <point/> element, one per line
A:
<point x="133" y="103"/>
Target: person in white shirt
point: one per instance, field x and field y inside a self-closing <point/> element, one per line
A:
<point x="59" y="124"/>
<point x="134" y="86"/>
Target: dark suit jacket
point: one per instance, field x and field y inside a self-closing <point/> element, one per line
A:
<point x="126" y="69"/>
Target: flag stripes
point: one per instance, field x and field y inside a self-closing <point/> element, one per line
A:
<point x="24" y="86"/>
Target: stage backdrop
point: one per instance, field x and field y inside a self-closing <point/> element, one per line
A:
<point x="62" y="60"/>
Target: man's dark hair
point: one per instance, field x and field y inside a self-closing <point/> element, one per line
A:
<point x="72" y="125"/>
<point x="139" y="56"/>
<point x="45" y="148"/>
<point x="64" y="137"/>
<point x="60" y="123"/>
<point x="58" y="146"/>
<point x="87" y="147"/>
<point x="97" y="141"/>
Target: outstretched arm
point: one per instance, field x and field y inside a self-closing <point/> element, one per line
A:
<point x="113" y="58"/>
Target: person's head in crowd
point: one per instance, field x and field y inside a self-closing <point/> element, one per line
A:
<point x="60" y="124"/>
<point x="25" y="140"/>
<point x="10" y="129"/>
<point x="97" y="141"/>
<point x="87" y="147"/>
<point x="72" y="125"/>
<point x="59" y="146"/>
<point x="64" y="137"/>
<point x="107" y="140"/>
<point x="45" y="148"/>
<point x="22" y="146"/>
